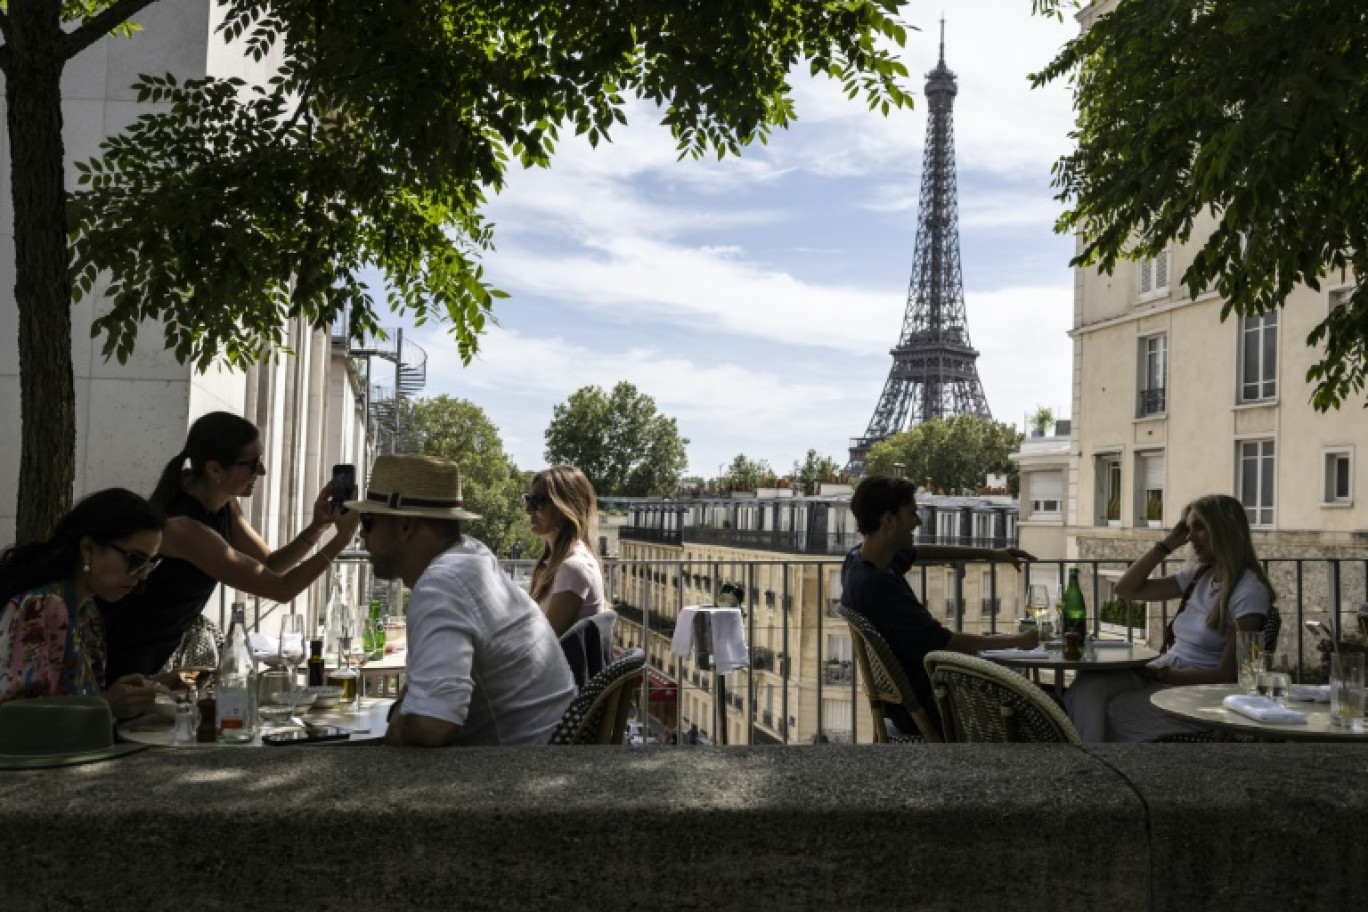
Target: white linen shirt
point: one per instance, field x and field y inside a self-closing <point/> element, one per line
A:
<point x="1196" y="645"/>
<point x="481" y="653"/>
<point x="579" y="573"/>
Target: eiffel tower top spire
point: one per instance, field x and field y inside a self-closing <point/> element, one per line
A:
<point x="934" y="373"/>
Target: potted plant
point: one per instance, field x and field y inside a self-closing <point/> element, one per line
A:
<point x="1114" y="510"/>
<point x="1154" y="510"/>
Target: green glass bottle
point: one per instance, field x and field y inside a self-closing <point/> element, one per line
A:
<point x="1075" y="609"/>
<point x="373" y="637"/>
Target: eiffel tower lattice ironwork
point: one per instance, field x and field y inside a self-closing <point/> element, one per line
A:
<point x="934" y="374"/>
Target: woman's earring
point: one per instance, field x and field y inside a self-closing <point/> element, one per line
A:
<point x="86" y="567"/>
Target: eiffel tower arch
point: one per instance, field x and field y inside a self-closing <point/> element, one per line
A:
<point x="934" y="372"/>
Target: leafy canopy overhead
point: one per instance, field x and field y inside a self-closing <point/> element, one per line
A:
<point x="234" y="206"/>
<point x="1254" y="112"/>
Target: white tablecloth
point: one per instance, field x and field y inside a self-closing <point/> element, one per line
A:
<point x="728" y="632"/>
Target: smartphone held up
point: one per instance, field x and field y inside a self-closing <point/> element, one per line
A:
<point x="343" y="485"/>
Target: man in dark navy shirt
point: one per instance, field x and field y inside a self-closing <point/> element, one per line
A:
<point x="874" y="583"/>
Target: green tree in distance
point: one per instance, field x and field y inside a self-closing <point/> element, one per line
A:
<point x="813" y="471"/>
<point x="950" y="454"/>
<point x="619" y="441"/>
<point x="491" y="484"/>
<point x="1252" y="112"/>
<point x="230" y="206"/>
<point x="746" y="474"/>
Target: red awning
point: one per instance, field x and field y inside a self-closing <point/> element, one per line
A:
<point x="661" y="689"/>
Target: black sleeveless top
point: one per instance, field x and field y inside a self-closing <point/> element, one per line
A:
<point x="143" y="628"/>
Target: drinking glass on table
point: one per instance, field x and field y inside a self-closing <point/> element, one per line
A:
<point x="1249" y="647"/>
<point x="1274" y="680"/>
<point x="291" y="650"/>
<point x="346" y="677"/>
<point x="1346" y="690"/>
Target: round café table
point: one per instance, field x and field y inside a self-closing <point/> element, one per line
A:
<point x="368" y="724"/>
<point x="1107" y="657"/>
<point x="1201" y="704"/>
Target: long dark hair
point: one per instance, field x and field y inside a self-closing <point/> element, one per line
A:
<point x="103" y="516"/>
<point x="573" y="497"/>
<point x="218" y="437"/>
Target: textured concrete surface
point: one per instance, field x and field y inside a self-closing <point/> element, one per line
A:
<point x="815" y="827"/>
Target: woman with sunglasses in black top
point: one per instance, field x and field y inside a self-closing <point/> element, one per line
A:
<point x="208" y="542"/>
<point x="52" y="640"/>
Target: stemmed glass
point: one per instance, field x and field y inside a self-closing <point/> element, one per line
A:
<point x="291" y="651"/>
<point x="346" y="635"/>
<point x="1038" y="607"/>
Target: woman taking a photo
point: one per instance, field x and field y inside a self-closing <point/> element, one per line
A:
<point x="1221" y="590"/>
<point x="208" y="542"/>
<point x="566" y="582"/>
<point x="52" y="640"/>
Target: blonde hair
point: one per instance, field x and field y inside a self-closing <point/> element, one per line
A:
<point x="572" y="497"/>
<point x="1232" y="551"/>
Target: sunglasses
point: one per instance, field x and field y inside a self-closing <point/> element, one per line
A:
<point x="137" y="564"/>
<point x="254" y="464"/>
<point x="535" y="501"/>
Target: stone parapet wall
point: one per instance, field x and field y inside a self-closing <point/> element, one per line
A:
<point x="1001" y="827"/>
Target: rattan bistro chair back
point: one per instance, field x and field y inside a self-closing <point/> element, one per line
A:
<point x="983" y="702"/>
<point x="885" y="680"/>
<point x="599" y="714"/>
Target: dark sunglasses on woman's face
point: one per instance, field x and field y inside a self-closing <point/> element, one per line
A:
<point x="535" y="501"/>
<point x="137" y="564"/>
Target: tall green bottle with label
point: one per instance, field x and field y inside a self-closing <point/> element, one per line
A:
<point x="1075" y="609"/>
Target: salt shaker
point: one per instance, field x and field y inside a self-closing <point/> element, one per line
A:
<point x="184" y="732"/>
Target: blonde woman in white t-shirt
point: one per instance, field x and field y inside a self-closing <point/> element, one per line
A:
<point x="567" y="581"/>
<point x="1222" y="589"/>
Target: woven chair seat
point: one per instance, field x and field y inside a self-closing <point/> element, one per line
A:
<point x="598" y="715"/>
<point x="983" y="702"/>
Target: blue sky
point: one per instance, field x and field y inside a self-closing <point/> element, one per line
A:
<point x="756" y="298"/>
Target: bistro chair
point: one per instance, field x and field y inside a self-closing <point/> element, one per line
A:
<point x="599" y="714"/>
<point x="885" y="681"/>
<point x="983" y="702"/>
<point x="588" y="645"/>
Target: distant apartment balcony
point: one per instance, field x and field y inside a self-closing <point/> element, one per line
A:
<point x="1151" y="402"/>
<point x="832" y="608"/>
<point x="762" y="659"/>
<point x="651" y="536"/>
<point x="839" y="673"/>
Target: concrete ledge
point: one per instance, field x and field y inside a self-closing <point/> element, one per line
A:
<point x="993" y="827"/>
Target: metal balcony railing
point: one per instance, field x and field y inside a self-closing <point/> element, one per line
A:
<point x="1150" y="402"/>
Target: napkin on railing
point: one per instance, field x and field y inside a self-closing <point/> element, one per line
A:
<point x="1037" y="653"/>
<point x="1309" y="693"/>
<point x="1262" y="709"/>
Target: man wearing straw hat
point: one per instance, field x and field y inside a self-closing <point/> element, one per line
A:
<point x="484" y="665"/>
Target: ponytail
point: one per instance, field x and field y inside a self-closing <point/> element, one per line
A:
<point x="216" y="437"/>
<point x="169" y="484"/>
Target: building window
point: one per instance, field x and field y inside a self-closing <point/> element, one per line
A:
<point x="839" y="648"/>
<point x="947" y="526"/>
<point x="1339" y="477"/>
<point x="1108" y="489"/>
<point x="1149" y="476"/>
<point x="1254" y="480"/>
<point x="1046" y="490"/>
<point x="1259" y="357"/>
<point x="1153" y="376"/>
<point x="983" y="528"/>
<point x="1154" y="275"/>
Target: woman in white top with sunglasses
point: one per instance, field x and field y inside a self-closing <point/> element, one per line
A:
<point x="567" y="581"/>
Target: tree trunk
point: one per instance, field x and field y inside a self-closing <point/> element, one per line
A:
<point x="33" y="94"/>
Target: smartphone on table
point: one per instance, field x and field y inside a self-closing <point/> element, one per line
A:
<point x="317" y="734"/>
<point x="343" y="481"/>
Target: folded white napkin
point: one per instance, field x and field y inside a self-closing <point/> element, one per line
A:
<point x="1309" y="693"/>
<point x="1038" y="653"/>
<point x="1111" y="644"/>
<point x="1263" y="709"/>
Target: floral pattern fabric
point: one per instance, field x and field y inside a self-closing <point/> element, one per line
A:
<point x="47" y="649"/>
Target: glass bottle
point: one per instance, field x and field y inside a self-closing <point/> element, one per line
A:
<point x="1075" y="617"/>
<point x="235" y="687"/>
<point x="315" y="663"/>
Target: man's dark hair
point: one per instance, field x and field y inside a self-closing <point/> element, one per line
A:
<point x="877" y="495"/>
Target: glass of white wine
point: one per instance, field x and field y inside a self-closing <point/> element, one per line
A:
<point x="1038" y="608"/>
<point x="291" y="651"/>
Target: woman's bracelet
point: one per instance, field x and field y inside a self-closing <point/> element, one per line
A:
<point x="1163" y="548"/>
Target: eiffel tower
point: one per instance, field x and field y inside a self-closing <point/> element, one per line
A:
<point x="934" y="373"/>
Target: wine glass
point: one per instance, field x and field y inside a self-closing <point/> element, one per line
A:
<point x="291" y="650"/>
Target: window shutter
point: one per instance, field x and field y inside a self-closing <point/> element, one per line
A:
<point x="1154" y="473"/>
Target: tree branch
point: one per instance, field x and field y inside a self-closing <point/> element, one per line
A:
<point x="104" y="22"/>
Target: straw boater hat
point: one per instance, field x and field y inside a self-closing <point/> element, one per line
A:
<point x="42" y="732"/>
<point x="414" y="486"/>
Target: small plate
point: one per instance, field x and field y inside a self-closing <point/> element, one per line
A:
<point x="325" y="696"/>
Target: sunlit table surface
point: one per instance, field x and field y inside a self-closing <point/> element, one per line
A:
<point x="367" y="724"/>
<point x="1106" y="658"/>
<point x="1201" y="704"/>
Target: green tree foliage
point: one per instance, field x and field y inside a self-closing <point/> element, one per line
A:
<point x="618" y="440"/>
<point x="491" y="484"/>
<point x="746" y="474"/>
<point x="1254" y="112"/>
<point x="814" y="470"/>
<point x="951" y="454"/>
<point x="231" y="206"/>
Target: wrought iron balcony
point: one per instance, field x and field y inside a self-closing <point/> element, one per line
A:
<point x="839" y="673"/>
<point x="1151" y="402"/>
